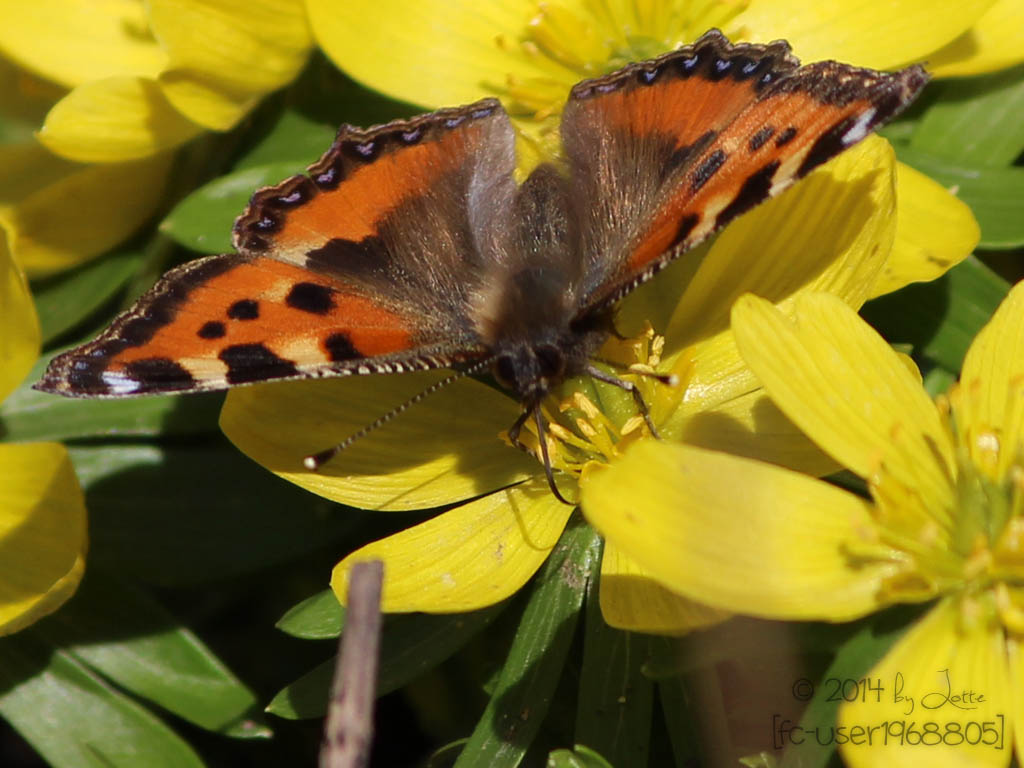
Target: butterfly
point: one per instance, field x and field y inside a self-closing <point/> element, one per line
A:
<point x="410" y="246"/>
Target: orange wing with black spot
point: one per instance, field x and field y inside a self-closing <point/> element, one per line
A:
<point x="366" y="265"/>
<point x="667" y="152"/>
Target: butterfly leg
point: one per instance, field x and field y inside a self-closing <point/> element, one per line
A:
<point x="628" y="386"/>
<point x="517" y="427"/>
<point x="668" y="379"/>
<point x="539" y="420"/>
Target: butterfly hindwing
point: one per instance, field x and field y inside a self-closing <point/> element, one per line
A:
<point x="365" y="265"/>
<point x="669" y="151"/>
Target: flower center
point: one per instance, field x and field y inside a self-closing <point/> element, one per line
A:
<point x="589" y="421"/>
<point x="978" y="550"/>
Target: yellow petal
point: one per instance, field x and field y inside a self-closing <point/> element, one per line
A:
<point x="443" y="450"/>
<point x="736" y="534"/>
<point x="42" y="532"/>
<point x="725" y="408"/>
<point x="112" y="120"/>
<point x="934" y="232"/>
<point x="1017" y="687"/>
<point x="59" y="214"/>
<point x="75" y="41"/>
<point x="831" y="232"/>
<point x="19" y="326"/>
<point x="911" y="715"/>
<point x="224" y="54"/>
<point x="205" y="101"/>
<point x="992" y="388"/>
<point x="992" y="43"/>
<point x="838" y="380"/>
<point x="632" y="600"/>
<point x="751" y="425"/>
<point x="882" y="34"/>
<point x="434" y="52"/>
<point x="26" y="99"/>
<point x="467" y="558"/>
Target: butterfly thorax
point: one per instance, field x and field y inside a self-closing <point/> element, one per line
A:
<point x="529" y="313"/>
<point x="532" y="335"/>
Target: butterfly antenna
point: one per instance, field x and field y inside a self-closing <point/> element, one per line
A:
<point x="314" y="461"/>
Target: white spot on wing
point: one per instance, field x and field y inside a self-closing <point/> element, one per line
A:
<point x="859" y="129"/>
<point x="119" y="383"/>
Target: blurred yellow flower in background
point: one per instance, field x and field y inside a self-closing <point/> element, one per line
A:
<point x="116" y="87"/>
<point x="43" y="535"/>
<point x="529" y="53"/>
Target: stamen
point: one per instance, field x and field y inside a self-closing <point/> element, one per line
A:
<point x="576" y="431"/>
<point x="973" y="545"/>
<point x="632" y="425"/>
<point x="1011" y="612"/>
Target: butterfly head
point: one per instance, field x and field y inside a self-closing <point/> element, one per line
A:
<point x="530" y="371"/>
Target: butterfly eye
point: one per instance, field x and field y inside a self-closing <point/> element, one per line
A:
<point x="505" y="371"/>
<point x="551" y="360"/>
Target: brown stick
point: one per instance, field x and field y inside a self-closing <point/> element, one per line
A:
<point x="348" y="727"/>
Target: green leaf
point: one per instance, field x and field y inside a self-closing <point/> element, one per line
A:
<point x="122" y="633"/>
<point x="977" y="121"/>
<point x="535" y="661"/>
<point x="294" y="138"/>
<point x="938" y="381"/>
<point x="203" y="221"/>
<point x="941" y="318"/>
<point x="28" y="415"/>
<point x="307" y="697"/>
<point x="186" y="515"/>
<point x="613" y="714"/>
<point x="995" y="195"/>
<point x="66" y="300"/>
<point x="682" y="722"/>
<point x="411" y="644"/>
<point x="74" y="719"/>
<point x="580" y="757"/>
<point x="316" y="618"/>
<point x="854" y="659"/>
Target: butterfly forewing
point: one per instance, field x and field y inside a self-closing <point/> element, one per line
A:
<point x="664" y="164"/>
<point x="366" y="265"/>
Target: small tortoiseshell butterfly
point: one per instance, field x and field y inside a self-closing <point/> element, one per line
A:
<point x="410" y="246"/>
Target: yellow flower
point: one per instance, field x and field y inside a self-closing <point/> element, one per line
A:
<point x="442" y="52"/>
<point x="446" y="449"/>
<point x="946" y="520"/>
<point x="42" y="510"/>
<point x="57" y="212"/>
<point x="145" y="77"/>
<point x="529" y="53"/>
<point x="119" y="84"/>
